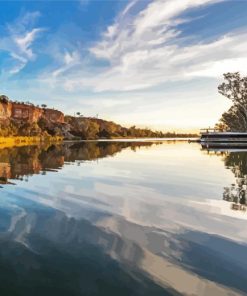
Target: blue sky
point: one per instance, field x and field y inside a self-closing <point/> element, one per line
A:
<point x="149" y="63"/>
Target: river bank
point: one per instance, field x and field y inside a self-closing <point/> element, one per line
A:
<point x="23" y="141"/>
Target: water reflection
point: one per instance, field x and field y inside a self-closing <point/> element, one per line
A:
<point x="236" y="161"/>
<point x="43" y="249"/>
<point x="20" y="162"/>
<point x="133" y="224"/>
<point x="236" y="193"/>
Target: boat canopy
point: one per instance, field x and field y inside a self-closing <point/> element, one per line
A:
<point x="214" y="131"/>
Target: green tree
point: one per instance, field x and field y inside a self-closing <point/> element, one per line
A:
<point x="234" y="88"/>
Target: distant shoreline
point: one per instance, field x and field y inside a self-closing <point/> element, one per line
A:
<point x="132" y="139"/>
<point x="8" y="142"/>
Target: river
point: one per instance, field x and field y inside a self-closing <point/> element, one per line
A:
<point x="123" y="218"/>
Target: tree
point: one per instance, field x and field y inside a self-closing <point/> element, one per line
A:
<point x="78" y="113"/>
<point x="4" y="99"/>
<point x="233" y="119"/>
<point x="221" y="126"/>
<point x="234" y="88"/>
<point x="44" y="106"/>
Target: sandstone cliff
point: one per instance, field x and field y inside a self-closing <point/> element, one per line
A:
<point x="25" y="119"/>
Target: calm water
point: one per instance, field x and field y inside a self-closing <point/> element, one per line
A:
<point x="123" y="218"/>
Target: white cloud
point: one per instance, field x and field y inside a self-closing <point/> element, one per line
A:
<point x="151" y="65"/>
<point x="25" y="41"/>
<point x="69" y="60"/>
<point x="19" y="40"/>
<point x="154" y="24"/>
<point x="146" y="49"/>
<point x="128" y="8"/>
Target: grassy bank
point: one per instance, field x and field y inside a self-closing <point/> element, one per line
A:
<point x="22" y="141"/>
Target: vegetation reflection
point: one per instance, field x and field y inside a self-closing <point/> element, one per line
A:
<point x="236" y="193"/>
<point x="21" y="162"/>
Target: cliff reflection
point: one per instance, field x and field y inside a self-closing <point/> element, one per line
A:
<point x="19" y="163"/>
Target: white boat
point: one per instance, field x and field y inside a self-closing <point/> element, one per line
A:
<point x="216" y="138"/>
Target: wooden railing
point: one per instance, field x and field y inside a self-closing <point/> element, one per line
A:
<point x="212" y="130"/>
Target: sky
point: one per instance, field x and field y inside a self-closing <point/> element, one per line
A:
<point x="153" y="64"/>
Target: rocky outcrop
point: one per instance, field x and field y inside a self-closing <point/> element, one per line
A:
<point x="25" y="119"/>
<point x="27" y="112"/>
<point x="53" y="115"/>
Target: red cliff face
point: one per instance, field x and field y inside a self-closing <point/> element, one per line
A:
<point x="28" y="113"/>
<point x="25" y="112"/>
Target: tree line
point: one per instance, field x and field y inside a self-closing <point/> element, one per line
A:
<point x="95" y="128"/>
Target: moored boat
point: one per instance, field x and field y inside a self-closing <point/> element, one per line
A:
<point x="216" y="138"/>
